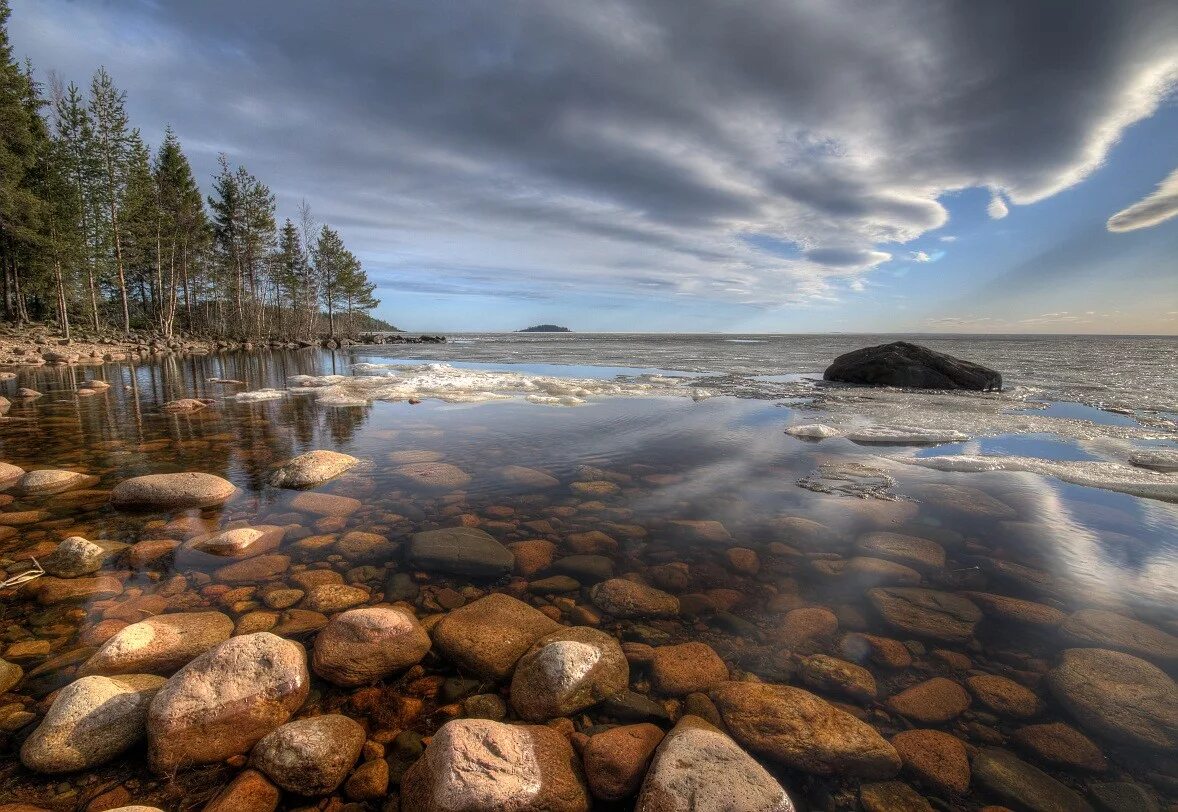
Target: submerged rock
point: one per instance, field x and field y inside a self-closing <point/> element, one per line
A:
<point x="488" y="636"/>
<point x="460" y="551"/>
<point x="239" y="542"/>
<point x="934" y="758"/>
<point x="49" y="481"/>
<point x="172" y="491"/>
<point x="310" y="756"/>
<point x="697" y="768"/>
<point x="1022" y="786"/>
<point x="1100" y="628"/>
<point x="433" y="476"/>
<point x="1118" y="695"/>
<point x="908" y="365"/>
<point x="224" y="701"/>
<point x="926" y="612"/>
<point x="312" y="468"/>
<point x="803" y="731"/>
<point x="160" y="644"/>
<point x="616" y="759"/>
<point x="932" y="702"/>
<point x="627" y="599"/>
<point x="477" y="764"/>
<point x="91" y="721"/>
<point x="567" y="671"/>
<point x="686" y="668"/>
<point x="363" y="645"/>
<point x="832" y="675"/>
<point x="74" y="557"/>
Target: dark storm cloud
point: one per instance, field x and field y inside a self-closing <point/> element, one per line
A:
<point x="625" y="145"/>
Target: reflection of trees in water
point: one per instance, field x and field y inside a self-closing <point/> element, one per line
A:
<point x="343" y="421"/>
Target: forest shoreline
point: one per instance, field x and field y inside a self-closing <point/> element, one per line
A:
<point x="44" y="345"/>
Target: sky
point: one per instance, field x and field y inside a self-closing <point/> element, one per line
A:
<point x="686" y="165"/>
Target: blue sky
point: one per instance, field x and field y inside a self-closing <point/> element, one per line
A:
<point x="682" y="165"/>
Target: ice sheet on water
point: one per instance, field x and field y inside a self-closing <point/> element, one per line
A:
<point x="399" y="382"/>
<point x="258" y="395"/>
<point x="1110" y="476"/>
<point x="813" y="431"/>
<point x="904" y="435"/>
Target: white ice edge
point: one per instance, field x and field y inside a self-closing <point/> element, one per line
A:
<point x="1109" y="476"/>
<point x="402" y="382"/>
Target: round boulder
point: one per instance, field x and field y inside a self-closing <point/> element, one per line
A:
<point x="311" y="468"/>
<point x="567" y="671"/>
<point x="160" y="644"/>
<point x="224" y="701"/>
<point x="488" y="636"/>
<point x="310" y="756"/>
<point x="172" y="491"/>
<point x="74" y="557"/>
<point x="91" y="721"/>
<point x="363" y="645"/>
<point x="1118" y="695"/>
<point x="460" y="551"/>
<point x="477" y="764"/>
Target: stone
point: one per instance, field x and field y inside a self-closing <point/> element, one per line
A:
<point x="926" y="612"/>
<point x="400" y="586"/>
<point x="8" y="471"/>
<point x="970" y="502"/>
<point x="1061" y="744"/>
<point x="554" y="583"/>
<point x="224" y="701"/>
<point x="159" y="645"/>
<point x="172" y="492"/>
<point x="807" y="534"/>
<point x="1117" y="695"/>
<point x="312" y="468"/>
<point x="920" y="554"/>
<point x="460" y="551"/>
<point x="799" y="626"/>
<point x="74" y="557"/>
<point x="1017" y="784"/>
<point x="254" y="570"/>
<point x="1122" y="796"/>
<point x="699" y="531"/>
<point x="10" y="676"/>
<point x="249" y="791"/>
<point x="488" y="636"/>
<point x="1015" y="610"/>
<point x="1003" y="696"/>
<point x="743" y="560"/>
<point x="370" y="781"/>
<point x="310" y="756"/>
<point x="686" y="668"/>
<point x="331" y="598"/>
<point x="832" y="675"/>
<point x="91" y="721"/>
<point x="51" y="590"/>
<point x="239" y="542"/>
<point x="932" y="702"/>
<point x="324" y="504"/>
<point x="910" y="366"/>
<point x="567" y="671"/>
<point x="588" y="569"/>
<point x="882" y="651"/>
<point x="1099" y="628"/>
<point x="934" y="758"/>
<point x="476" y="764"/>
<point x="629" y="706"/>
<point x="433" y="476"/>
<point x="591" y="542"/>
<point x="697" y="768"/>
<point x="532" y="556"/>
<point x="527" y="478"/>
<point x="861" y="572"/>
<point x="616" y="759"/>
<point x="802" y="731"/>
<point x="891" y="796"/>
<point x="361" y="646"/>
<point x="485" y="706"/>
<point x="184" y="405"/>
<point x="360" y="547"/>
<point x="49" y="481"/>
<point x="627" y="599"/>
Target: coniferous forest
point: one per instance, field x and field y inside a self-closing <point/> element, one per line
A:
<point x="102" y="231"/>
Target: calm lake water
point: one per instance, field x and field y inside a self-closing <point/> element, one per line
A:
<point x="690" y="444"/>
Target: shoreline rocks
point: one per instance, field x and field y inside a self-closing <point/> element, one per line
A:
<point x="360" y="646"/>
<point x="911" y="366"/>
<point x="172" y="492"/>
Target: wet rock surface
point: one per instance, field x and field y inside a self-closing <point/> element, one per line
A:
<point x="910" y="365"/>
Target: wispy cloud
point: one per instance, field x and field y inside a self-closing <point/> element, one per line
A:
<point x="1157" y="207"/>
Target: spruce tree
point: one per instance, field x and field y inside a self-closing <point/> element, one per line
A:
<point x="112" y="147"/>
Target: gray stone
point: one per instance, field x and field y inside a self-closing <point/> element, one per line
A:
<point x="91" y="721"/>
<point x="926" y="612"/>
<point x="460" y="551"/>
<point x="697" y="768"/>
<point x="74" y="557"/>
<point x="310" y="756"/>
<point x="172" y="491"/>
<point x="311" y="468"/>
<point x="1021" y="786"/>
<point x="567" y="671"/>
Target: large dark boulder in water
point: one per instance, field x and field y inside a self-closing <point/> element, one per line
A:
<point x="910" y="365"/>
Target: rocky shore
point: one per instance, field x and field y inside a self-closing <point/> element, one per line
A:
<point x="342" y="650"/>
<point x="34" y="345"/>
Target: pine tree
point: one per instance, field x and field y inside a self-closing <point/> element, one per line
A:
<point x="112" y="144"/>
<point x="184" y="224"/>
<point x="140" y="227"/>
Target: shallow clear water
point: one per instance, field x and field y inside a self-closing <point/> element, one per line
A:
<point x="670" y="457"/>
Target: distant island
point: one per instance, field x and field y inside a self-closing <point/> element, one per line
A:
<point x="545" y="328"/>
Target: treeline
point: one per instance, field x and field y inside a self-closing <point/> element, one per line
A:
<point x="99" y="229"/>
